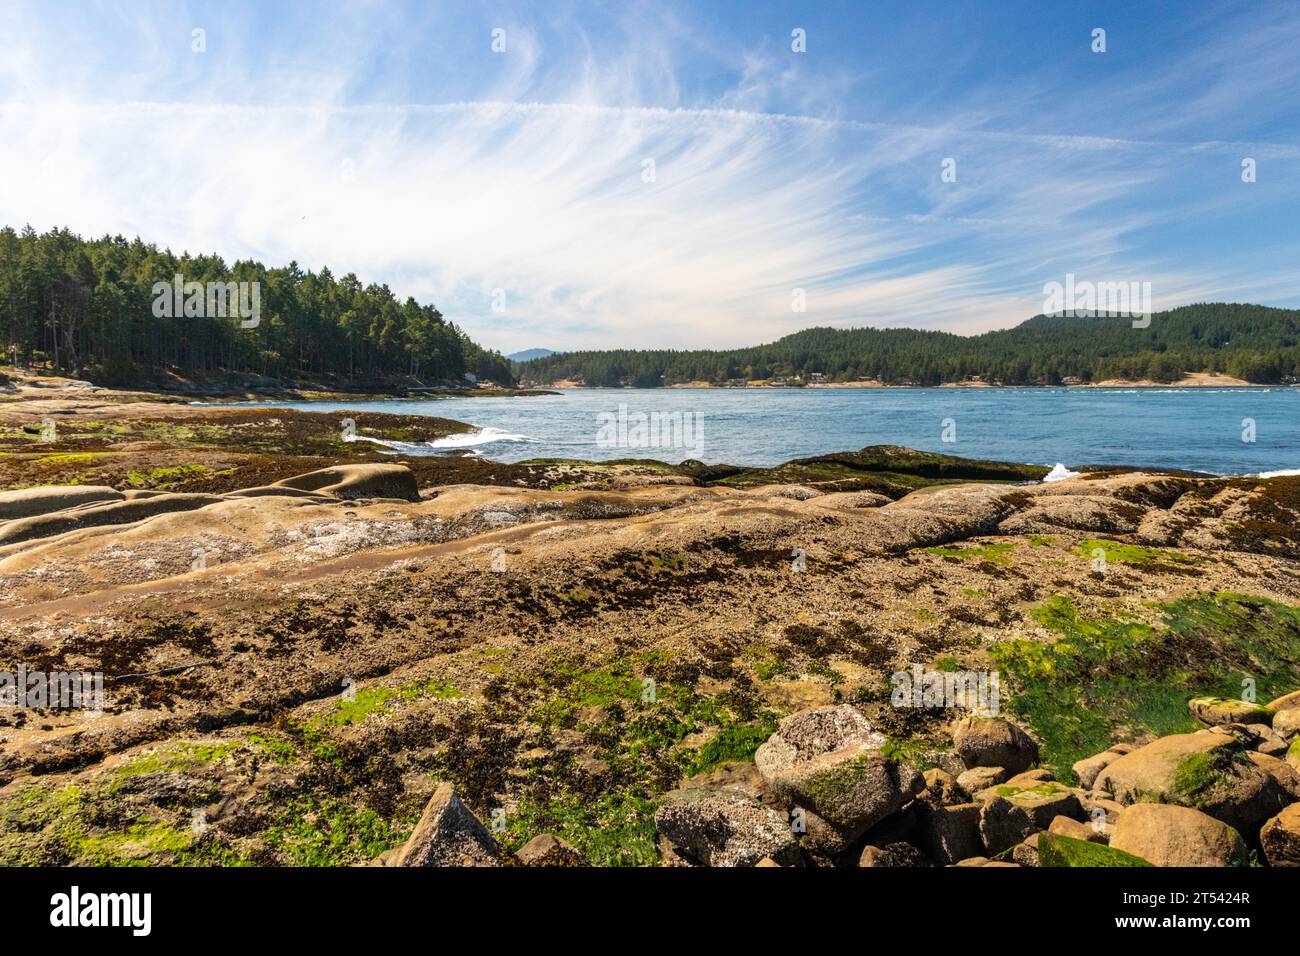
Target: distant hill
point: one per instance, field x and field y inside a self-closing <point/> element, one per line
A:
<point x="529" y="354"/>
<point x="1252" y="342"/>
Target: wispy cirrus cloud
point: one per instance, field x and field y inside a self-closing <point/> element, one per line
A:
<point x="586" y="177"/>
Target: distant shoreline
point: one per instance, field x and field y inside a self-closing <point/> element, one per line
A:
<point x="1199" y="380"/>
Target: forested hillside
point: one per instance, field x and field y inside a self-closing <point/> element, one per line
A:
<point x="85" y="308"/>
<point x="1252" y="342"/>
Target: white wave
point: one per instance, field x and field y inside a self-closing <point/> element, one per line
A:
<point x="466" y="440"/>
<point x="481" y="436"/>
<point x="1283" y="473"/>
<point x="1060" y="473"/>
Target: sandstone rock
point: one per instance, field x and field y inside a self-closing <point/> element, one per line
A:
<point x="1051" y="514"/>
<point x="1280" y="838"/>
<point x="1167" y="835"/>
<point x="828" y="761"/>
<point x="98" y="514"/>
<point x="767" y="861"/>
<point x="980" y="778"/>
<point x="448" y="834"/>
<point x="892" y="854"/>
<point x="546" y="849"/>
<point x="29" y="502"/>
<point x="721" y="827"/>
<point x="1293" y="754"/>
<point x="972" y="861"/>
<point x="1211" y="772"/>
<point x="994" y="742"/>
<point x="357" y="481"/>
<point x="1014" y="814"/>
<point x="1224" y="710"/>
<point x="951" y="833"/>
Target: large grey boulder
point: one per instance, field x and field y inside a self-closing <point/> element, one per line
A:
<point x="829" y="762"/>
<point x="708" y="826"/>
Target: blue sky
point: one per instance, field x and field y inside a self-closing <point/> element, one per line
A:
<point x="391" y="140"/>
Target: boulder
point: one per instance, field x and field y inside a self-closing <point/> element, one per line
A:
<point x="1021" y="781"/>
<point x="448" y="834"/>
<point x="944" y="760"/>
<point x="1058" y="850"/>
<point x="724" y="827"/>
<point x="1225" y="710"/>
<point x="941" y="789"/>
<point x="1015" y="813"/>
<point x="1293" y="755"/>
<point x="546" y="849"/>
<point x="1286" y="723"/>
<point x="1258" y="737"/>
<point x="891" y="855"/>
<point x="1280" y="838"/>
<point x="1288" y="780"/>
<point x="994" y="742"/>
<point x="952" y="833"/>
<point x="1088" y="768"/>
<point x="1068" y="826"/>
<point x="828" y="762"/>
<point x="1289" y="701"/>
<point x="1025" y="853"/>
<point x="980" y="778"/>
<point x="1211" y="772"/>
<point x="1031" y="778"/>
<point x="1167" y="835"/>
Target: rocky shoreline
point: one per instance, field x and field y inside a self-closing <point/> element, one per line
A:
<point x="826" y="792"/>
<point x="316" y="654"/>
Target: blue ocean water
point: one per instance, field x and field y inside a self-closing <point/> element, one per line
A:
<point x="1200" y="429"/>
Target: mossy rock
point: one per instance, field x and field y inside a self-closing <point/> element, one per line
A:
<point x="1224" y="710"/>
<point x="1055" y="850"/>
